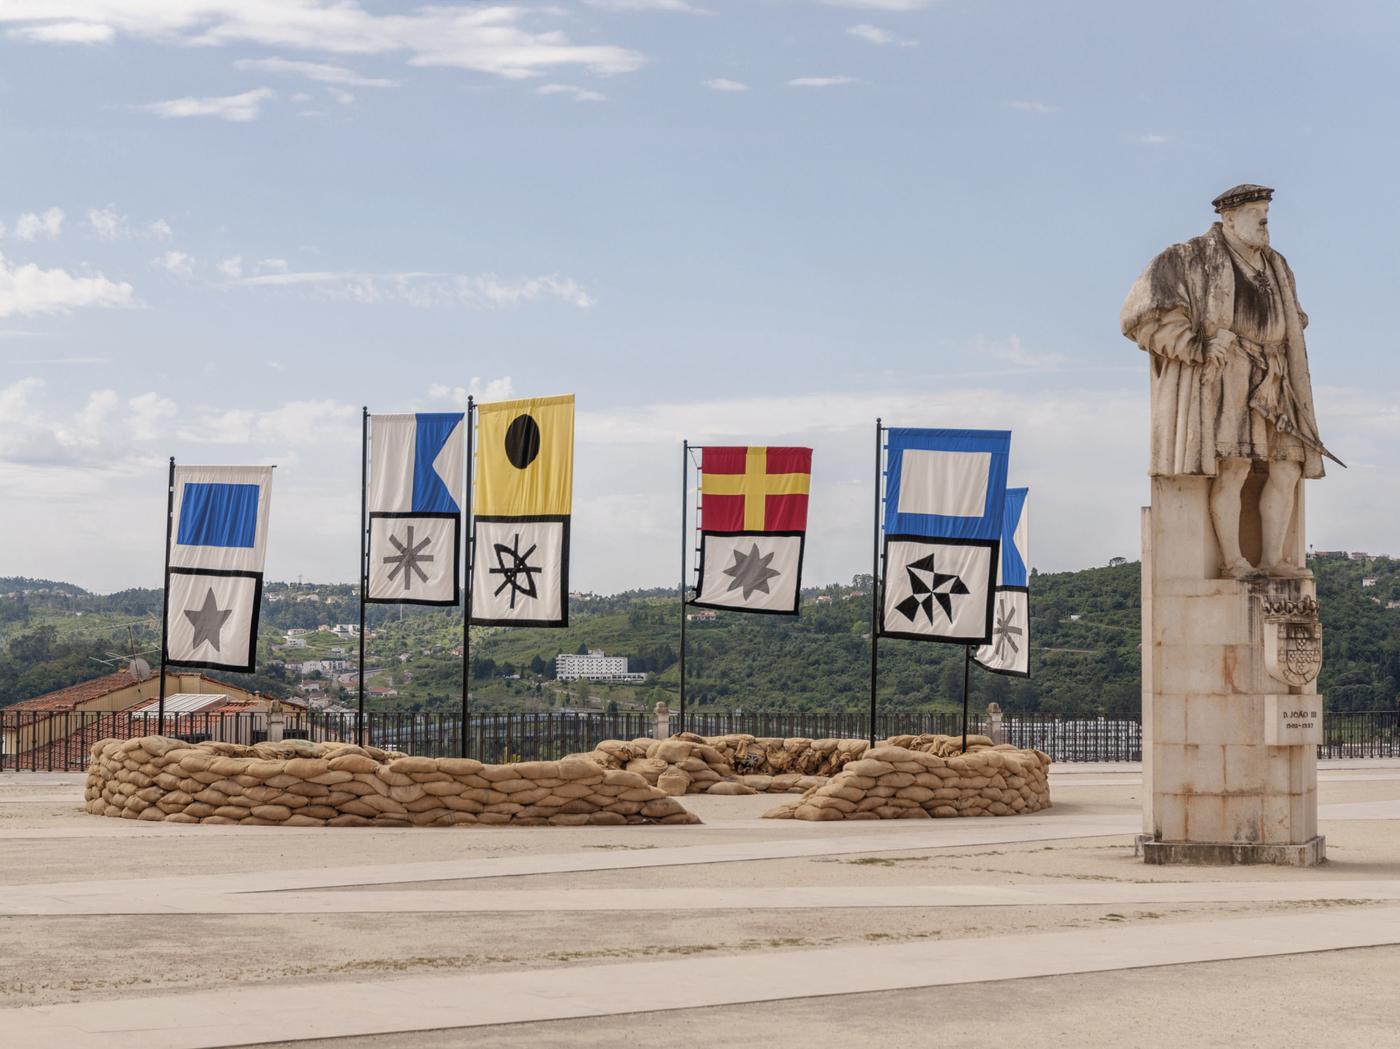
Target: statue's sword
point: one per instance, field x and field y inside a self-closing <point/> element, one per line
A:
<point x="1286" y="426"/>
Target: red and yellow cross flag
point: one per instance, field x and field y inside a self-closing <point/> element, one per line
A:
<point x="753" y="523"/>
<point x="754" y="489"/>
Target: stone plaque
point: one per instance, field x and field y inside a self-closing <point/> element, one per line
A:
<point x="1292" y="721"/>
<point x="1292" y="640"/>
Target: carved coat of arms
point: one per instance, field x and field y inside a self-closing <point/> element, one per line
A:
<point x="1292" y="639"/>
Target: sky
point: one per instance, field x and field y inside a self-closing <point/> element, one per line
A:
<point x="226" y="226"/>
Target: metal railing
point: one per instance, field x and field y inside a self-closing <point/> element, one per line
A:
<point x="60" y="741"/>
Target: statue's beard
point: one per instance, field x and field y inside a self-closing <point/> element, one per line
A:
<point x="1256" y="238"/>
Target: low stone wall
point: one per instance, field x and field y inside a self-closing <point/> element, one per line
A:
<point x="952" y="783"/>
<point x="895" y="782"/>
<point x="300" y="784"/>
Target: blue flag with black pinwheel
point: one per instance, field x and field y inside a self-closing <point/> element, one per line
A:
<point x="1009" y="651"/>
<point x="214" y="578"/>
<point x="945" y="497"/>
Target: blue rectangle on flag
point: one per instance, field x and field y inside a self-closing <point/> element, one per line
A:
<point x="1013" y="558"/>
<point x="218" y="515"/>
<point x="948" y="484"/>
<point x="431" y="433"/>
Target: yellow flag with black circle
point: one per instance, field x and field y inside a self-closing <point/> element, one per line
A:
<point x="522" y="498"/>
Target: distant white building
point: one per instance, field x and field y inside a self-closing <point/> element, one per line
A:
<point x="1369" y="580"/>
<point x="595" y="666"/>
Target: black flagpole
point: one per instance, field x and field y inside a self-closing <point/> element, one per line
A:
<point x="967" y="664"/>
<point x="685" y="539"/>
<point x="467" y="590"/>
<point x="165" y="596"/>
<point x="875" y="580"/>
<point x="364" y="561"/>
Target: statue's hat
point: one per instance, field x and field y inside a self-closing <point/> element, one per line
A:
<point x="1241" y="194"/>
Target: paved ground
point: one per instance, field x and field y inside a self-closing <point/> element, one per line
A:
<point x="1041" y="928"/>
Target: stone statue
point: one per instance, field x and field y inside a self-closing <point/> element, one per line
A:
<point x="1220" y="320"/>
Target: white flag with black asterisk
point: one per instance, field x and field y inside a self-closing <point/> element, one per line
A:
<point x="417" y="471"/>
<point x="1009" y="651"/>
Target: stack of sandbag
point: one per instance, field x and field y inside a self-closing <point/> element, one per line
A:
<point x="892" y="782"/>
<point x="339" y="784"/>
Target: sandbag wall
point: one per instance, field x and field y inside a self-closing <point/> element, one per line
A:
<point x="952" y="783"/>
<point x="891" y="782"/>
<point x="301" y="784"/>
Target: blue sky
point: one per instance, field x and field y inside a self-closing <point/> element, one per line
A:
<point x="228" y="225"/>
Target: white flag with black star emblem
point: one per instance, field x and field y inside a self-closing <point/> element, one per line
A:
<point x="937" y="589"/>
<point x="755" y="572"/>
<point x="520" y="571"/>
<point x="213" y="582"/>
<point x="212" y="619"/>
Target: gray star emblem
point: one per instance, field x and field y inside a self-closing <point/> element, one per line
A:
<point x="208" y="622"/>
<point x="410" y="556"/>
<point x="751" y="571"/>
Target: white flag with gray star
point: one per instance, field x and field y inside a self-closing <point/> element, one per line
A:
<point x="752" y="572"/>
<point x="213" y="586"/>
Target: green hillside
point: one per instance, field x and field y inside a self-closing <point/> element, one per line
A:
<point x="1085" y="658"/>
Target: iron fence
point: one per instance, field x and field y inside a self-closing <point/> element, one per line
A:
<point x="60" y="741"/>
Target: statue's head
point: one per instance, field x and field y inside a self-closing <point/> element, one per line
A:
<point x="1244" y="211"/>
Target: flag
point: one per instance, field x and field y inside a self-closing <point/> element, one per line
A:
<point x="753" y="526"/>
<point x="1010" y="649"/>
<point x="522" y="502"/>
<point x="417" y="468"/>
<point x="945" y="493"/>
<point x="214" y="578"/>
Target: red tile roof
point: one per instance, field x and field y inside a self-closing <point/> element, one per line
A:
<point x="70" y="697"/>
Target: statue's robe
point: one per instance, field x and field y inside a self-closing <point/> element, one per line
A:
<point x="1185" y="296"/>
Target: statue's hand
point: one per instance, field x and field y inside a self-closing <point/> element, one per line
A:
<point x="1218" y="350"/>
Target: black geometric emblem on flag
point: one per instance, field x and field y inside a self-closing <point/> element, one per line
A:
<point x="409" y="556"/>
<point x="518" y="568"/>
<point x="1005" y="629"/>
<point x="929" y="585"/>
<point x="750" y="571"/>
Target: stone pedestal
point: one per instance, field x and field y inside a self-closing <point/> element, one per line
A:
<point x="1229" y="744"/>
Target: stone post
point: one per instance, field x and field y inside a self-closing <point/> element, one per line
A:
<point x="994" y="727"/>
<point x="1231" y="717"/>
<point x="661" y="729"/>
<point x="276" y="722"/>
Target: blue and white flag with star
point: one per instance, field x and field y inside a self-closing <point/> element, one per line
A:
<point x="1009" y="651"/>
<point x="218" y="547"/>
<point x="417" y="485"/>
<point x="945" y="495"/>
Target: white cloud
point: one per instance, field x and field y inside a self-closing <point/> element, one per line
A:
<point x="1030" y="106"/>
<point x="501" y="389"/>
<point x="881" y="5"/>
<point x="1152" y="140"/>
<point x="237" y="108"/>
<point x="499" y="39"/>
<point x="231" y="267"/>
<point x="648" y="5"/>
<point x="106" y="223"/>
<point x="175" y="262"/>
<point x="823" y="81"/>
<point x="319" y="71"/>
<point x="424" y="290"/>
<point x="66" y="33"/>
<point x="109" y="224"/>
<point x="340" y="95"/>
<point x="272" y="265"/>
<point x="881" y="37"/>
<point x="721" y="84"/>
<point x="30" y="226"/>
<point x="148" y="415"/>
<point x="27" y="290"/>
<point x="578" y="94"/>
